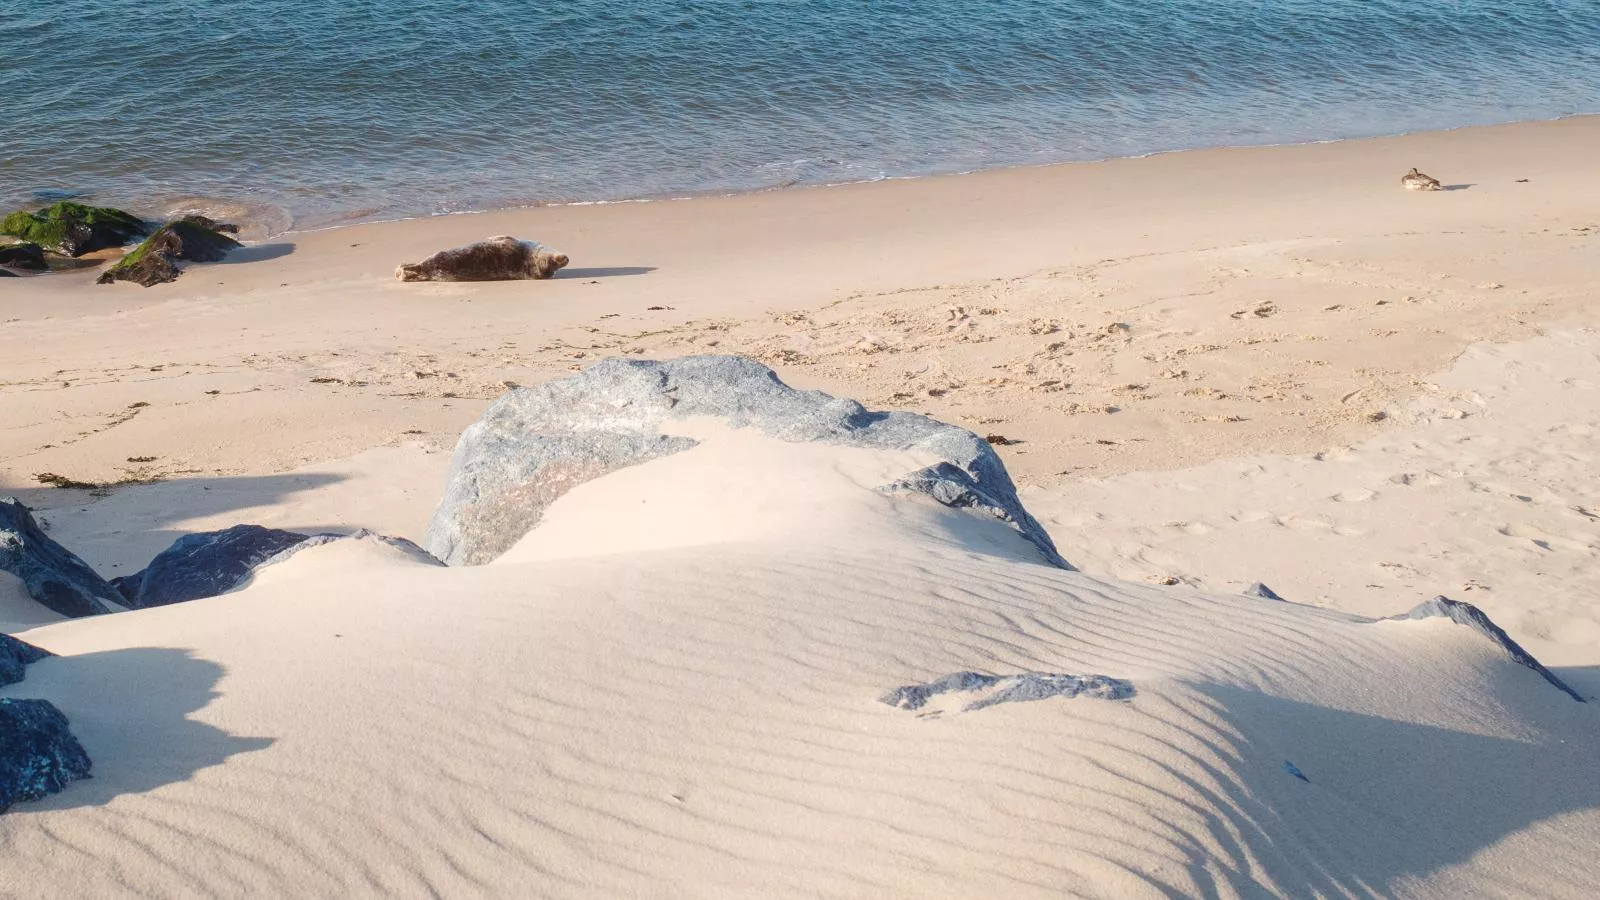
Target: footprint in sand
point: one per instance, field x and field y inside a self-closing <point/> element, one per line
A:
<point x="1355" y="496"/>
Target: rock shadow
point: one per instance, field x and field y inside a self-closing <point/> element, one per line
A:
<point x="130" y="709"/>
<point x="1458" y="187"/>
<point x="257" y="253"/>
<point x="1337" y="803"/>
<point x="605" y="272"/>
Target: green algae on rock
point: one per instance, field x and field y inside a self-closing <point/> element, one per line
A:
<point x="72" y="229"/>
<point x="191" y="238"/>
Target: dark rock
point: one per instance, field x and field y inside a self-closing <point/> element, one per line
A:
<point x="38" y="754"/>
<point x="1022" y="688"/>
<point x="204" y="564"/>
<point x="535" y="444"/>
<point x="189" y="239"/>
<point x="23" y="256"/>
<point x="73" y="229"/>
<point x="14" y="656"/>
<point x="51" y="573"/>
<point x="5" y="274"/>
<point x="1260" y="590"/>
<point x="1475" y="618"/>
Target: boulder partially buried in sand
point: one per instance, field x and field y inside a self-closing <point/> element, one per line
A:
<point x="535" y="444"/>
<point x="50" y="572"/>
<point x="38" y="754"/>
<point x="1479" y="621"/>
<point x="204" y="564"/>
<point x="72" y="229"/>
<point x="189" y="239"/>
<point x="212" y="563"/>
<point x="502" y="258"/>
<point x="15" y="656"/>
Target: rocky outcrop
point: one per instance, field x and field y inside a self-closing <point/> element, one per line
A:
<point x="1260" y="590"/>
<point x="204" y="564"/>
<point x="28" y="257"/>
<point x="535" y="444"/>
<point x="502" y="258"/>
<point x="401" y="545"/>
<point x="72" y="229"/>
<point x="15" y="656"/>
<point x="1476" y="619"/>
<point x="190" y="239"/>
<point x="212" y="563"/>
<point x="51" y="573"/>
<point x="997" y="689"/>
<point x="38" y="754"/>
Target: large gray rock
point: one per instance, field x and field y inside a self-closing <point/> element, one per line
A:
<point x="38" y="754"/>
<point x="1479" y="621"/>
<point x="15" y="656"/>
<point x="535" y="444"/>
<point x="50" y="572"/>
<point x="204" y="564"/>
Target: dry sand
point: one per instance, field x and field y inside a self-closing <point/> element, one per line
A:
<point x="1219" y="367"/>
<point x="683" y="710"/>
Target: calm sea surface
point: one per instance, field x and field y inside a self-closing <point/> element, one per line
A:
<point x="339" y="110"/>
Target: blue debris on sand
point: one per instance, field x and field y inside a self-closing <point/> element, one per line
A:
<point x="14" y="656"/>
<point x="38" y="754"/>
<point x="1294" y="770"/>
<point x="1475" y="618"/>
<point x="1021" y="688"/>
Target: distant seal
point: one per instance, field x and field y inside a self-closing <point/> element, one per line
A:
<point x="502" y="258"/>
<point x="1416" y="181"/>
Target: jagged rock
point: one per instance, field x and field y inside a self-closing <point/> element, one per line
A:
<point x="38" y="754"/>
<point x="73" y="229"/>
<point x="50" y="572"/>
<point x="535" y="444"/>
<point x="1260" y="590"/>
<point x="502" y="258"/>
<point x="319" y="540"/>
<point x="189" y="239"/>
<point x="1479" y="621"/>
<point x="23" y="256"/>
<point x="1022" y="688"/>
<point x="15" y="655"/>
<point x="204" y="564"/>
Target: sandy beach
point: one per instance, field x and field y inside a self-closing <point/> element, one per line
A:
<point x="1202" y="370"/>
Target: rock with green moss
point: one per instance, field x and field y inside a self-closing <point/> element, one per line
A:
<point x="190" y="239"/>
<point x="73" y="229"/>
<point x="23" y="256"/>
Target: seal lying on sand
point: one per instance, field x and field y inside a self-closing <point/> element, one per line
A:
<point x="1416" y="181"/>
<point x="500" y="258"/>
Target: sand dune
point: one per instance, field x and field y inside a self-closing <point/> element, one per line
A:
<point x="691" y="712"/>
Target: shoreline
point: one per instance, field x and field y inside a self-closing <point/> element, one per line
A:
<point x="268" y="234"/>
<point x="1218" y="227"/>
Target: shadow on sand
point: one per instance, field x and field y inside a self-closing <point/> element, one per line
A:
<point x="606" y="272"/>
<point x="257" y="253"/>
<point x="1383" y="800"/>
<point x="130" y="709"/>
<point x="1458" y="187"/>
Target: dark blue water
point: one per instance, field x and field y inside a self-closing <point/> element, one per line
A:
<point x="336" y="111"/>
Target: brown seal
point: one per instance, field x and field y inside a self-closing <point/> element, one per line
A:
<point x="500" y="258"/>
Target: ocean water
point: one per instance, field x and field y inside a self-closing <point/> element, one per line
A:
<point x="316" y="112"/>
